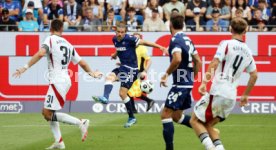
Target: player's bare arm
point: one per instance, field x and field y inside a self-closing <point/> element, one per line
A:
<point x="114" y="56"/>
<point x="251" y="82"/>
<point x="33" y="61"/>
<point x="86" y="68"/>
<point x="208" y="75"/>
<point x="197" y="64"/>
<point x="147" y="66"/>
<point x="151" y="44"/>
<point x="173" y="66"/>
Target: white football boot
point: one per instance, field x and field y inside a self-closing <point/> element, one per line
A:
<point x="84" y="129"/>
<point x="57" y="145"/>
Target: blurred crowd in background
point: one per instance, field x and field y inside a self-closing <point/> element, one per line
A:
<point x="139" y="15"/>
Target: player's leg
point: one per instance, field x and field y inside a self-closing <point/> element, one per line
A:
<point x="108" y="86"/>
<point x="201" y="132"/>
<point x="172" y="104"/>
<point x="180" y="118"/>
<point x="150" y="102"/>
<point x="54" y="125"/>
<point x="214" y="134"/>
<point x="223" y="108"/>
<point x="131" y="119"/>
<point x="168" y="128"/>
<point x="132" y="94"/>
<point x="55" y="100"/>
<point x="133" y="104"/>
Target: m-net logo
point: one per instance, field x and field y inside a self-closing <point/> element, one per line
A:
<point x="10" y="107"/>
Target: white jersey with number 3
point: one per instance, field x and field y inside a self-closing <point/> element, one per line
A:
<point x="235" y="57"/>
<point x="59" y="54"/>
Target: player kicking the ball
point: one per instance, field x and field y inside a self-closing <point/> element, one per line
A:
<point x="231" y="59"/>
<point x="59" y="54"/>
<point x="127" y="72"/>
<point x="184" y="60"/>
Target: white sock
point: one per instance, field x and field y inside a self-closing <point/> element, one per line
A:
<point x="65" y="118"/>
<point x="207" y="142"/>
<point x="56" y="131"/>
<point x="220" y="147"/>
<point x="126" y="100"/>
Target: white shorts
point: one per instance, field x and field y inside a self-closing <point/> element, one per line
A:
<point x="55" y="98"/>
<point x="209" y="107"/>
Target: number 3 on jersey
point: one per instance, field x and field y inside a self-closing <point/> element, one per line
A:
<point x="66" y="55"/>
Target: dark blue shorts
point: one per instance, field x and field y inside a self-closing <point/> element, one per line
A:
<point x="179" y="98"/>
<point x="126" y="76"/>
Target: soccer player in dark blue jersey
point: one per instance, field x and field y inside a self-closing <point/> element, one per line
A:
<point x="127" y="72"/>
<point x="185" y="64"/>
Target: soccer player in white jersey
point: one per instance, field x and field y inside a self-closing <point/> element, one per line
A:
<point x="231" y="59"/>
<point x="59" y="54"/>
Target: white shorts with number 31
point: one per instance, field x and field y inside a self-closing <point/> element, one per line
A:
<point x="55" y="97"/>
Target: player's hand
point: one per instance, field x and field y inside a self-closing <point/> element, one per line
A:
<point x="163" y="81"/>
<point x="244" y="101"/>
<point x="118" y="64"/>
<point x="164" y="50"/>
<point x="18" y="72"/>
<point x="114" y="56"/>
<point x="202" y="89"/>
<point x="143" y="75"/>
<point x="96" y="74"/>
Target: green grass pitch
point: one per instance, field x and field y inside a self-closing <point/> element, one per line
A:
<point x="31" y="132"/>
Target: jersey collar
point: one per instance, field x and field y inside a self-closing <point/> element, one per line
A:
<point x="239" y="40"/>
<point x="179" y="32"/>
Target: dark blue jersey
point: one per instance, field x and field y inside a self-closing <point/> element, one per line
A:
<point x="126" y="50"/>
<point x="183" y="76"/>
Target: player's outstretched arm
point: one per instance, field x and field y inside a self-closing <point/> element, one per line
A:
<point x="86" y="68"/>
<point x="208" y="75"/>
<point x="33" y="61"/>
<point x="151" y="44"/>
<point x="250" y="84"/>
<point x="197" y="64"/>
<point x="177" y="58"/>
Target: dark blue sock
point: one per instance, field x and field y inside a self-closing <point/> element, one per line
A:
<point x="168" y="132"/>
<point x="129" y="107"/>
<point x="107" y="90"/>
<point x="185" y="121"/>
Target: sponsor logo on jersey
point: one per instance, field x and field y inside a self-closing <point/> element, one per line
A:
<point x="121" y="48"/>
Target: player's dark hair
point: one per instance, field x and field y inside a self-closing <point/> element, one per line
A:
<point x="56" y="25"/>
<point x="238" y="25"/>
<point x="177" y="21"/>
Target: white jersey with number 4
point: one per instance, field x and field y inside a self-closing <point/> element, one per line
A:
<point x="235" y="57"/>
<point x="59" y="54"/>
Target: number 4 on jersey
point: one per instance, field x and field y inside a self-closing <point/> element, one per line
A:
<point x="236" y="64"/>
